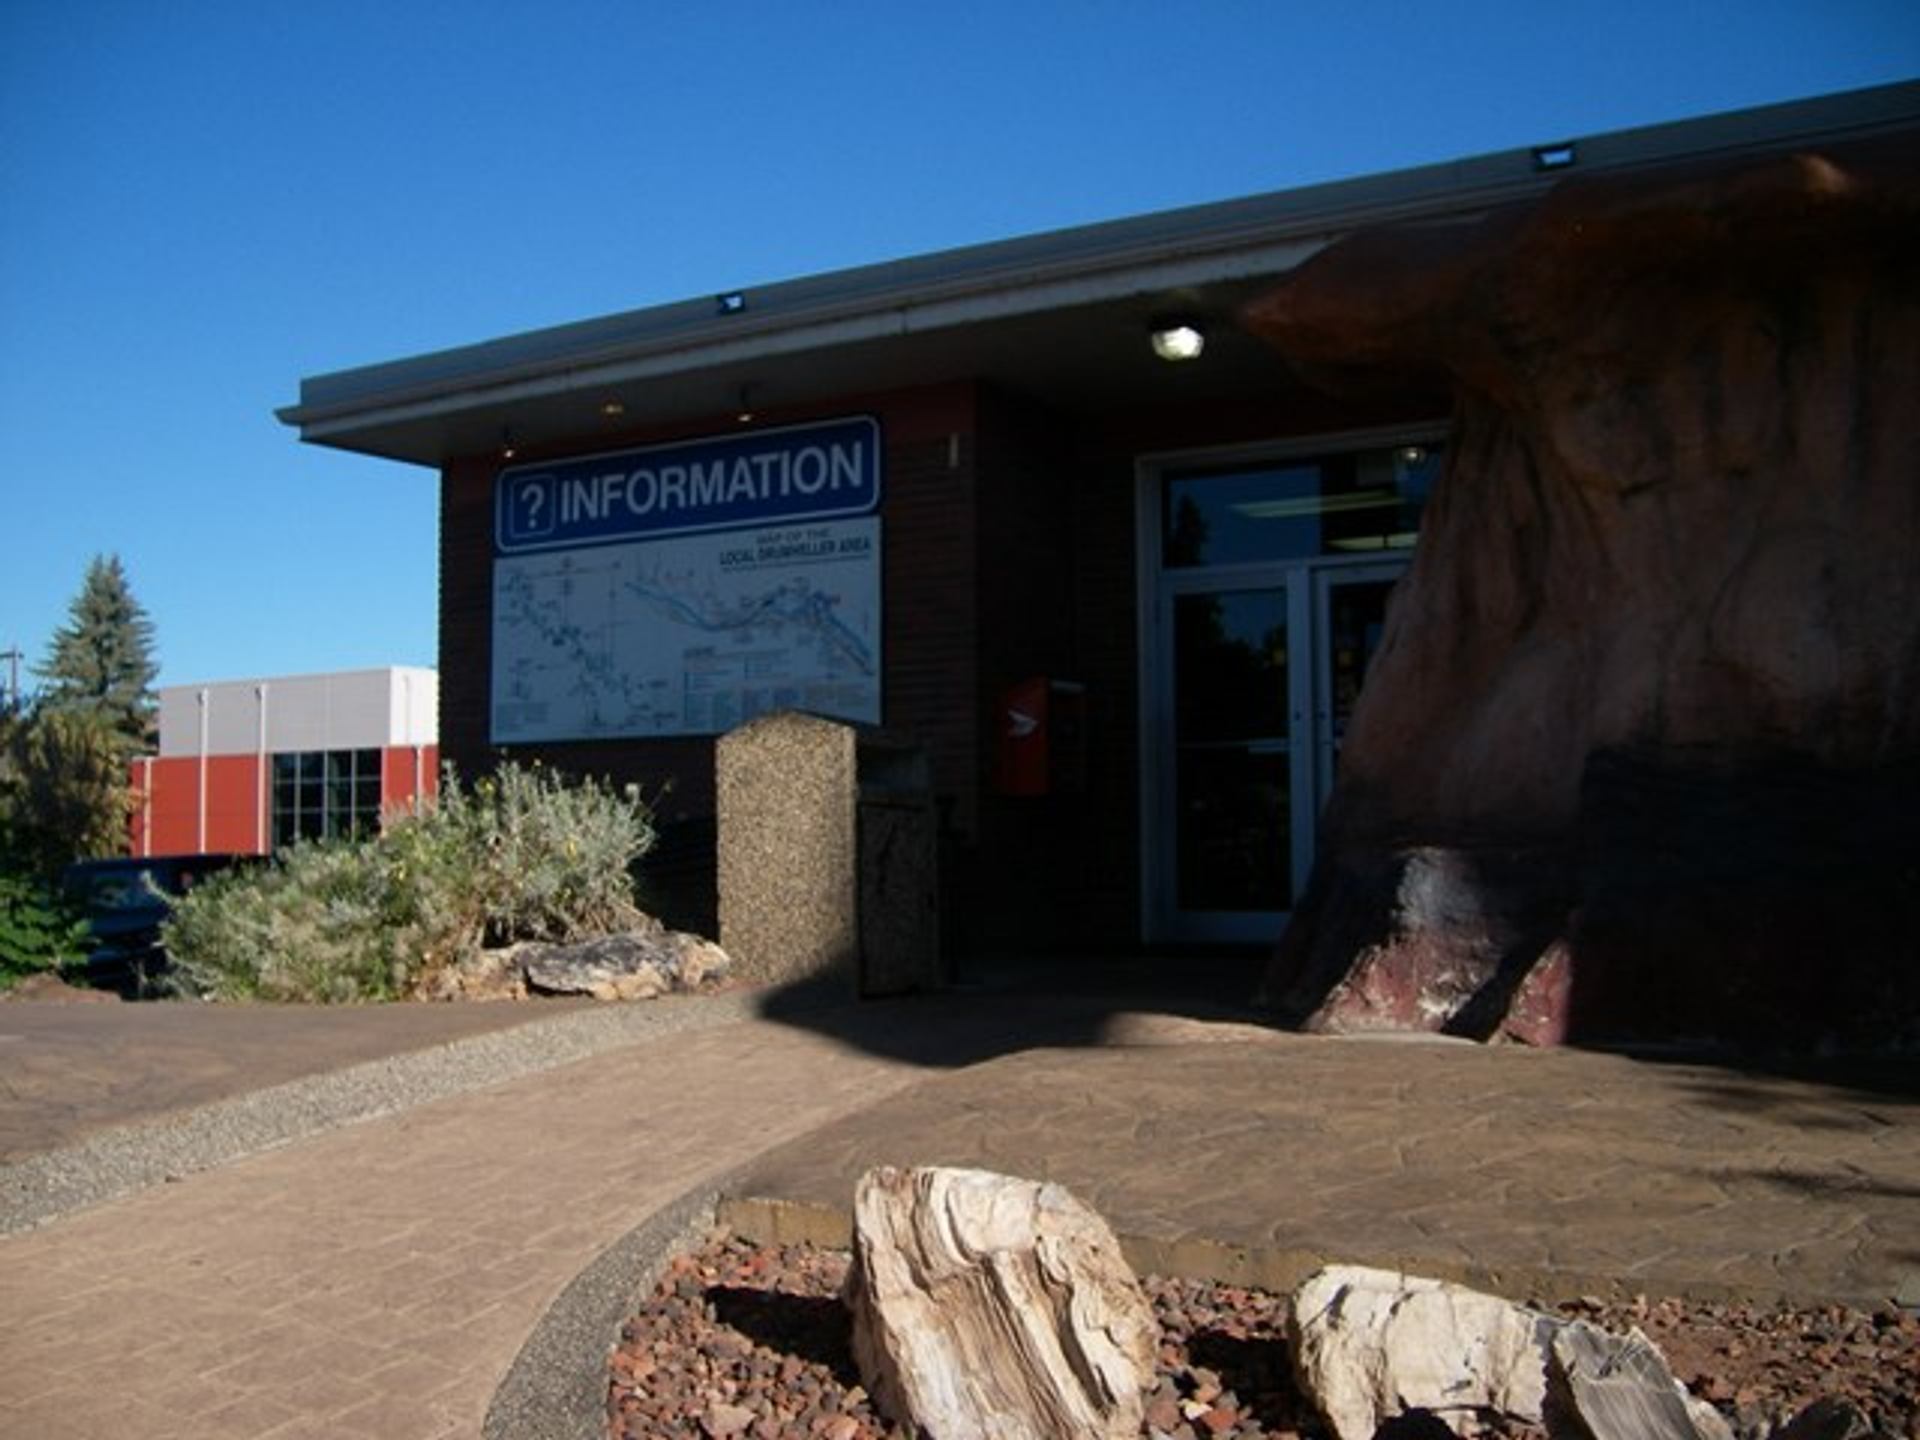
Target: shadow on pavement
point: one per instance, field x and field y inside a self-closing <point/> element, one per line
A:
<point x="1851" y="1182"/>
<point x="1748" y="1081"/>
<point x="1008" y="1005"/>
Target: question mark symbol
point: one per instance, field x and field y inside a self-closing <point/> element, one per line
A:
<point x="534" y="494"/>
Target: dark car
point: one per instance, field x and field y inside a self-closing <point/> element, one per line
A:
<point x="124" y="903"/>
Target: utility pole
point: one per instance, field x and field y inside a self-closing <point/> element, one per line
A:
<point x="12" y="656"/>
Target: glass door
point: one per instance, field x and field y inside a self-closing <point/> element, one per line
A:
<point x="1232" y="819"/>
<point x="1266" y="580"/>
<point x="1350" y="612"/>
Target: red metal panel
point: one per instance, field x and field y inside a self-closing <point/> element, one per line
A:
<point x="166" y="818"/>
<point x="398" y="766"/>
<point x="137" y="817"/>
<point x="233" y="805"/>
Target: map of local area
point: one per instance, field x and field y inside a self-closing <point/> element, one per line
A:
<point x="687" y="636"/>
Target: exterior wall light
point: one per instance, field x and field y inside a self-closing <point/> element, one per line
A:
<point x="1178" y="340"/>
<point x="613" y="409"/>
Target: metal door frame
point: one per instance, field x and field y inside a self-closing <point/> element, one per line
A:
<point x="1309" y="742"/>
<point x="1360" y="570"/>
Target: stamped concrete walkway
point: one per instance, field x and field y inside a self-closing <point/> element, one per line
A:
<point x="69" y="1069"/>
<point x="378" y="1278"/>
<point x="1261" y="1156"/>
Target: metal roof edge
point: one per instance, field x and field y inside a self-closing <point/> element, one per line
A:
<point x="779" y="314"/>
<point x="350" y="672"/>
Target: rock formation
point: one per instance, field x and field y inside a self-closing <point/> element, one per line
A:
<point x="1602" y="1386"/>
<point x="1641" y="746"/>
<point x="992" y="1308"/>
<point x="1373" y="1348"/>
<point x="1371" y="1345"/>
<point x="637" y="965"/>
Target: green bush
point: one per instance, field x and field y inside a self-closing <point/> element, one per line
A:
<point x="547" y="860"/>
<point x="39" y="928"/>
<point x="522" y="855"/>
<point x="305" y="928"/>
<point x="38" y="931"/>
<point x="68" y="796"/>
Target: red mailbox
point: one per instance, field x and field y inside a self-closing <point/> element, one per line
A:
<point x="1040" y="744"/>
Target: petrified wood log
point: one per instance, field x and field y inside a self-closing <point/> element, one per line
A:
<point x="1376" y="1348"/>
<point x="1369" y="1346"/>
<point x="1602" y="1386"/>
<point x="992" y="1308"/>
<point x="1649" y="697"/>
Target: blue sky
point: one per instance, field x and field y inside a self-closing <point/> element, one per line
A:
<point x="202" y="202"/>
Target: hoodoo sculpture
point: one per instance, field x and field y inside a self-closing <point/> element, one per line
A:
<point x="1640" y="753"/>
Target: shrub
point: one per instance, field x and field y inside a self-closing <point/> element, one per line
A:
<point x="306" y="928"/>
<point x="69" y="794"/>
<point x="550" y="861"/>
<point x="37" y="930"/>
<point x="40" y="929"/>
<point x="522" y="855"/>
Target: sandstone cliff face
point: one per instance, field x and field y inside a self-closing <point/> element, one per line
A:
<point x="1648" y="705"/>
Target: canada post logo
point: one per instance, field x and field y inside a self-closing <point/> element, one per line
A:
<point x="820" y="471"/>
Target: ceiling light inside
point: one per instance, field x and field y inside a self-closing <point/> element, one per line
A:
<point x="1178" y="340"/>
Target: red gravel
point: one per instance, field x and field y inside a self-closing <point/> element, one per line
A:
<point x="748" y="1341"/>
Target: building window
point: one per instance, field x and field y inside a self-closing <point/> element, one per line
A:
<point x="325" y="795"/>
<point x="1360" y="501"/>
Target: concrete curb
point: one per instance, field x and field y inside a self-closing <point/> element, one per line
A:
<point x="767" y="1220"/>
<point x="556" y="1388"/>
<point x="121" y="1161"/>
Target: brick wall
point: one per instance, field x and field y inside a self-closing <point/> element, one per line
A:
<point x="1009" y="549"/>
<point x="466" y="610"/>
<point x="931" y="642"/>
<point x="1028" y="852"/>
<point x="927" y="604"/>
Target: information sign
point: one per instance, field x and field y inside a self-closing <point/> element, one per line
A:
<point x="821" y="471"/>
<point x="691" y="635"/>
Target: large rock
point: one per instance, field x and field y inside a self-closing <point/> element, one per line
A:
<point x="489" y="974"/>
<point x="1418" y="938"/>
<point x="1370" y="1346"/>
<point x="1373" y="1347"/>
<point x="1660" y="643"/>
<point x="992" y="1308"/>
<point x="1602" y="1386"/>
<point x="635" y="966"/>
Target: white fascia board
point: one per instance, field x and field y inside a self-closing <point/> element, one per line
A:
<point x="913" y="317"/>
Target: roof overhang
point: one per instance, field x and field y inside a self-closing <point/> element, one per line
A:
<point x="1061" y="316"/>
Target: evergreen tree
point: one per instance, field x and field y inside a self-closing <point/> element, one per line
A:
<point x="101" y="660"/>
<point x="65" y="796"/>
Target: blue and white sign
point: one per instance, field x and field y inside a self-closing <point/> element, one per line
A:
<point x="691" y="635"/>
<point x="684" y="589"/>
<point x="824" y="471"/>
